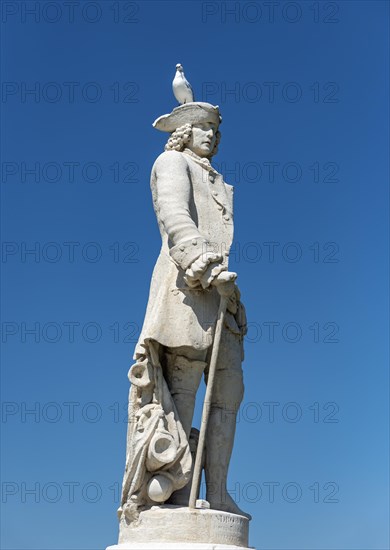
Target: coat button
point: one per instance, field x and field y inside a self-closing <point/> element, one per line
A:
<point x="182" y="248"/>
<point x="215" y="194"/>
<point x="226" y="218"/>
<point x="194" y="242"/>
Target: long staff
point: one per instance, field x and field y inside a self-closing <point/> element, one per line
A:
<point x="207" y="402"/>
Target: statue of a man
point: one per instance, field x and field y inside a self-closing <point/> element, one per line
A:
<point x="194" y="209"/>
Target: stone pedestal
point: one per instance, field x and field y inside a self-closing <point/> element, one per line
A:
<point x="179" y="528"/>
<point x="174" y="546"/>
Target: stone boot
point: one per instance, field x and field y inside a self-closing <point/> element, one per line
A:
<point x="183" y="378"/>
<point x="219" y="445"/>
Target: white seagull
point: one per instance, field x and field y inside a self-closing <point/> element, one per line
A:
<point x="181" y="87"/>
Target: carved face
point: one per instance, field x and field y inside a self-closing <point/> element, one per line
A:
<point x="203" y="137"/>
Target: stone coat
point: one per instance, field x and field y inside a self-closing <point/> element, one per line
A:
<point x="194" y="209"/>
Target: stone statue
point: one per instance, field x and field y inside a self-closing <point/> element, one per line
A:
<point x="194" y="210"/>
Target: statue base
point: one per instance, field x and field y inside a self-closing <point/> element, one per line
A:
<point x="175" y="546"/>
<point x="181" y="528"/>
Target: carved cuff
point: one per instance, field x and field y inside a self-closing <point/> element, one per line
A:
<point x="184" y="254"/>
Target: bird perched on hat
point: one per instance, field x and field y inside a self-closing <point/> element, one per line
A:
<point x="182" y="89"/>
<point x="189" y="111"/>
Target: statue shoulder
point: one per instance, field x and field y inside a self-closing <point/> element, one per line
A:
<point x="170" y="160"/>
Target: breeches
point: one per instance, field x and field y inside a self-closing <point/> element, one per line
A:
<point x="184" y="366"/>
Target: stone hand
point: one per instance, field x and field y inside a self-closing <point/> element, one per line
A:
<point x="225" y="283"/>
<point x="202" y="271"/>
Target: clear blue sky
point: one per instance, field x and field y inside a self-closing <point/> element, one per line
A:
<point x="303" y="93"/>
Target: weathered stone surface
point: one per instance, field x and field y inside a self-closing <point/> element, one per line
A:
<point x="174" y="524"/>
<point x="175" y="546"/>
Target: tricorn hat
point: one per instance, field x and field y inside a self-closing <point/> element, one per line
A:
<point x="188" y="113"/>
